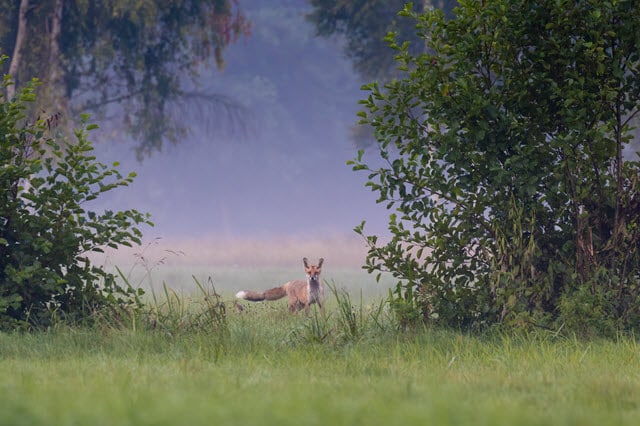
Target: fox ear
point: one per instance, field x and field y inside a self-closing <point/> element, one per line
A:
<point x="320" y="262"/>
<point x="306" y="262"/>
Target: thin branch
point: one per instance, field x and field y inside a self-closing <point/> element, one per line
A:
<point x="17" y="48"/>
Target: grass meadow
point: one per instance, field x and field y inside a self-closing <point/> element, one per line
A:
<point x="193" y="358"/>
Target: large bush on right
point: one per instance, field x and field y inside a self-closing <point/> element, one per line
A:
<point x="502" y="158"/>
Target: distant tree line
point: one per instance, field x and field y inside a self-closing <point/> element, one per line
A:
<point x="127" y="59"/>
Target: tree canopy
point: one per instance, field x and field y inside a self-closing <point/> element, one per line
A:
<point x="128" y="59"/>
<point x="365" y="24"/>
<point x="502" y="144"/>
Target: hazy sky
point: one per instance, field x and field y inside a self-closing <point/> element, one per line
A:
<point x="283" y="173"/>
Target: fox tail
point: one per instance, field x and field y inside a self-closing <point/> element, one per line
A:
<point x="257" y="296"/>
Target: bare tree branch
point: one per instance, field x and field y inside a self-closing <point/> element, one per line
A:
<point x="17" y="49"/>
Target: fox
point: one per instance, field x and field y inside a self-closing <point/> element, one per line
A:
<point x="301" y="294"/>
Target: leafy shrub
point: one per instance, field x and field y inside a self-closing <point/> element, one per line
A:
<point x="501" y="154"/>
<point x="46" y="230"/>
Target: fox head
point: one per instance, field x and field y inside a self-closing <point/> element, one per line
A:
<point x="312" y="271"/>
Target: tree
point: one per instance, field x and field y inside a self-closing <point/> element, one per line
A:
<point x="365" y="24"/>
<point x="131" y="59"/>
<point x="46" y="228"/>
<point x="503" y="148"/>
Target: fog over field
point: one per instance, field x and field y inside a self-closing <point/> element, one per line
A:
<point x="271" y="186"/>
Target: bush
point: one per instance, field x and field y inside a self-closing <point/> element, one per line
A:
<point x="46" y="230"/>
<point x="501" y="152"/>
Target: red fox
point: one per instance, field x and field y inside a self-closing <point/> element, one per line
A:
<point x="301" y="293"/>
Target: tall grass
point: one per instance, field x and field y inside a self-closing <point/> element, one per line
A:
<point x="197" y="359"/>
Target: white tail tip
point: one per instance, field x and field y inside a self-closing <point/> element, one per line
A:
<point x="241" y="294"/>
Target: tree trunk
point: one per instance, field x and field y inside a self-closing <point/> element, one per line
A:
<point x="17" y="48"/>
<point x="55" y="78"/>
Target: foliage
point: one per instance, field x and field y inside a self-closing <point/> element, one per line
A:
<point x="46" y="229"/>
<point x="174" y="315"/>
<point x="502" y="157"/>
<point x="365" y="23"/>
<point x="141" y="56"/>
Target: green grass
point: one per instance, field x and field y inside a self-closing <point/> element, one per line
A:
<point x="263" y="366"/>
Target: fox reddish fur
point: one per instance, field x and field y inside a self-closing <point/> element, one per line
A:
<point x="301" y="294"/>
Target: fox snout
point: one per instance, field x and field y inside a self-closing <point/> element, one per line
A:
<point x="313" y="273"/>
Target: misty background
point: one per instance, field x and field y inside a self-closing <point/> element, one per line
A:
<point x="271" y="185"/>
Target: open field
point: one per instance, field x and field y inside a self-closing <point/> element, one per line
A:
<point x="228" y="280"/>
<point x="233" y="265"/>
<point x="263" y="366"/>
